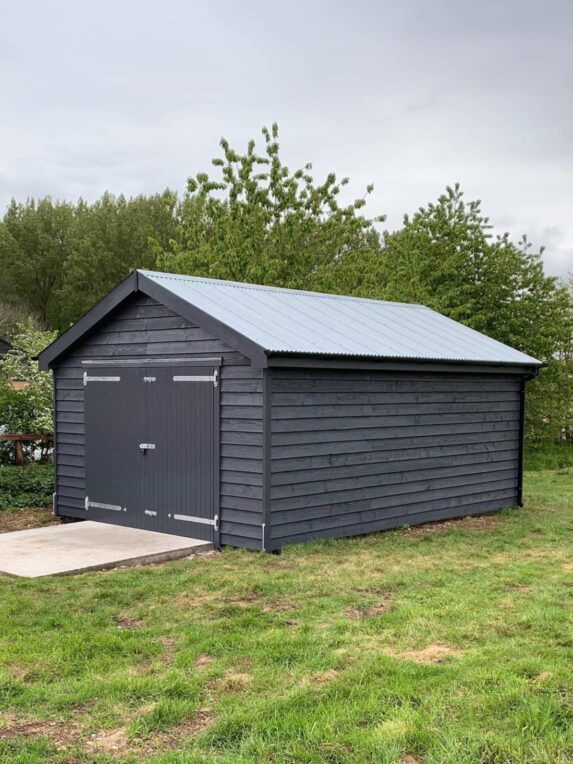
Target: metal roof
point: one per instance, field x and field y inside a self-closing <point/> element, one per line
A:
<point x="312" y="323"/>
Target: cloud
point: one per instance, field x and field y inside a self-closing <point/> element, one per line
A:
<point x="133" y="97"/>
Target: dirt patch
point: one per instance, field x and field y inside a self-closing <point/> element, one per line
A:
<point x="367" y="612"/>
<point x="410" y="759"/>
<point x="430" y="654"/>
<point x="62" y="734"/>
<point x="360" y="611"/>
<point x="125" y="622"/>
<point x="476" y="524"/>
<point x="567" y="567"/>
<point x="167" y="642"/>
<point x="233" y="681"/>
<point x="292" y="622"/>
<point x="22" y="519"/>
<point x="196" y="724"/>
<point x="202" y="661"/>
<point x="110" y="741"/>
<point x="320" y="678"/>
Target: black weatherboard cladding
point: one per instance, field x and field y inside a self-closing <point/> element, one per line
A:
<point x="144" y="329"/>
<point x="354" y="452"/>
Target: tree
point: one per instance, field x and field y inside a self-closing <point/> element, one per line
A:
<point x="27" y="407"/>
<point x="34" y="246"/>
<point x="446" y="257"/>
<point x="110" y="238"/>
<point x="260" y="222"/>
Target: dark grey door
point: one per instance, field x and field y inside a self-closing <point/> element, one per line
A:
<point x="180" y="470"/>
<point x="114" y="402"/>
<point x="162" y="472"/>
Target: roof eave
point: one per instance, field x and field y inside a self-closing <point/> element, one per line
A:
<point x="318" y="360"/>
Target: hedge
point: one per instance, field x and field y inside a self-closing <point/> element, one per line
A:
<point x="30" y="486"/>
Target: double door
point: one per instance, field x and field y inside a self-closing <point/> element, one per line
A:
<point x="152" y="442"/>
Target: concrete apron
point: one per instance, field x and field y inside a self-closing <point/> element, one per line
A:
<point x="60" y="550"/>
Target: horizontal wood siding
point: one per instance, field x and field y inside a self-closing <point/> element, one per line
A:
<point x="143" y="328"/>
<point x="354" y="452"/>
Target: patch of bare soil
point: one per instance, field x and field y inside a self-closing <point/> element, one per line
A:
<point x="320" y="678"/>
<point x="430" y="654"/>
<point x="567" y="567"/>
<point x="410" y="759"/>
<point x="478" y="524"/>
<point x="167" y="642"/>
<point x="125" y="622"/>
<point x="22" y="519"/>
<point x="193" y="726"/>
<point x="113" y="743"/>
<point x="109" y="741"/>
<point x="202" y="661"/>
<point x="62" y="734"/>
<point x="370" y="611"/>
<point x="233" y="681"/>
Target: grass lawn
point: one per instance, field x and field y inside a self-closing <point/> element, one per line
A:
<point x="449" y="643"/>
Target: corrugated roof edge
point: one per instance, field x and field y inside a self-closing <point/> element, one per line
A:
<point x="534" y="363"/>
<point x="265" y="288"/>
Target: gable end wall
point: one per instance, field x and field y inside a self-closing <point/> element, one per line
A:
<point x="143" y="328"/>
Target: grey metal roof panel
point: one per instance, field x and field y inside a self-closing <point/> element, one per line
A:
<point x="313" y="323"/>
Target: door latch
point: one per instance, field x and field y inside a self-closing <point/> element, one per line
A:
<point x="147" y="446"/>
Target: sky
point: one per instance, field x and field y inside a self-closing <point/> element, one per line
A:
<point x="132" y="96"/>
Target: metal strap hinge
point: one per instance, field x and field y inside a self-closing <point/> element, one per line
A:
<point x="192" y="519"/>
<point x="214" y="378"/>
<point x="87" y="379"/>
<point x="101" y="505"/>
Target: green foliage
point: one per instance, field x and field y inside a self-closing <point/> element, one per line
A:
<point x="35" y="241"/>
<point x="261" y="223"/>
<point x="58" y="259"/>
<point x="27" y="410"/>
<point x="30" y="486"/>
<point x="550" y="456"/>
<point x="110" y="238"/>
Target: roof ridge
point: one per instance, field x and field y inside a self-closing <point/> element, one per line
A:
<point x="268" y="288"/>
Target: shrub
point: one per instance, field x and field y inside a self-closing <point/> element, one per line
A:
<point x="30" y="486"/>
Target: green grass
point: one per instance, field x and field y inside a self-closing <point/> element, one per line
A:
<point x="451" y="643"/>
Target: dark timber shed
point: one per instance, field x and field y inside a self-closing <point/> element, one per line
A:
<point x="256" y="416"/>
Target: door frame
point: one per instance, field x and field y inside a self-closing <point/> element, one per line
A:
<point x="213" y="361"/>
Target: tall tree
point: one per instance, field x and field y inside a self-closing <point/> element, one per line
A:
<point x="34" y="247"/>
<point x="260" y="222"/>
<point x="110" y="238"/>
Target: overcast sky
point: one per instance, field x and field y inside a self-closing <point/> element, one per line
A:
<point x="133" y="96"/>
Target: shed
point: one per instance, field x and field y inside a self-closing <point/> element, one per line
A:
<point x="256" y="416"/>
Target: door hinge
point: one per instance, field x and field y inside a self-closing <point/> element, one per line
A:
<point x="147" y="446"/>
<point x="87" y="379"/>
<point x="192" y="519"/>
<point x="150" y="513"/>
<point x="101" y="505"/>
<point x="214" y="378"/>
<point x="149" y="379"/>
